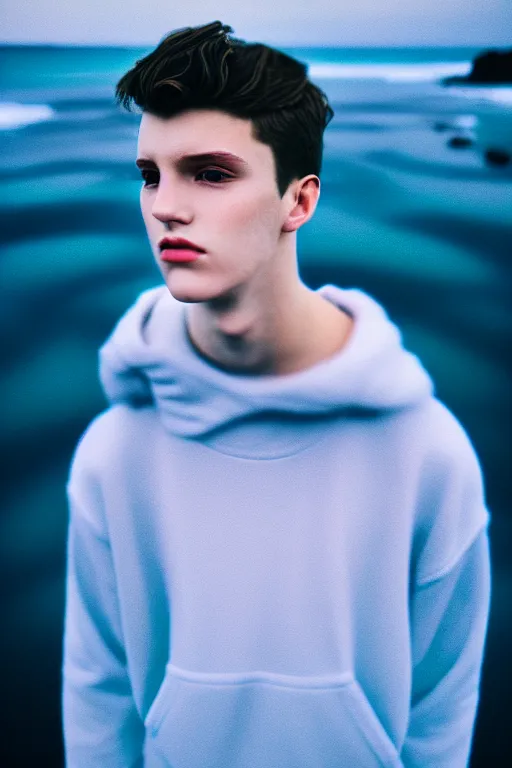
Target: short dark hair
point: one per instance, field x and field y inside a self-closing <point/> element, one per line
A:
<point x="202" y="68"/>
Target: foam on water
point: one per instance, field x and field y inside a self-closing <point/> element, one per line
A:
<point x="392" y="73"/>
<point x="14" y="115"/>
<point x="501" y="95"/>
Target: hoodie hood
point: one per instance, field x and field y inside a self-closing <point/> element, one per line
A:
<point x="149" y="359"/>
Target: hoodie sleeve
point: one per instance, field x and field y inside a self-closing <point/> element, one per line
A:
<point x="100" y="722"/>
<point x="449" y="620"/>
<point x="449" y="603"/>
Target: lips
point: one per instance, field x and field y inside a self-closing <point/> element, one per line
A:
<point x="179" y="255"/>
<point x="167" y="247"/>
<point x="168" y="243"/>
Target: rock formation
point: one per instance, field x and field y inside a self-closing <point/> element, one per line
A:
<point x="489" y="68"/>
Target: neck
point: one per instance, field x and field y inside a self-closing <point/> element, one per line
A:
<point x="257" y="335"/>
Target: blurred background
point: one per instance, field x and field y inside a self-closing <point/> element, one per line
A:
<point x="415" y="209"/>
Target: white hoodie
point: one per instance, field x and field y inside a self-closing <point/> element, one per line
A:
<point x="272" y="571"/>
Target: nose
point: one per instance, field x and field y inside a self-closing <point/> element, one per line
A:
<point x="168" y="203"/>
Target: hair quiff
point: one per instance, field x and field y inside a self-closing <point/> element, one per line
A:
<point x="204" y="68"/>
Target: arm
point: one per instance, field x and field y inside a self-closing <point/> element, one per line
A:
<point x="448" y="624"/>
<point x="100" y="722"/>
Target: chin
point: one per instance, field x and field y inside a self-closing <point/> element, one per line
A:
<point x="182" y="288"/>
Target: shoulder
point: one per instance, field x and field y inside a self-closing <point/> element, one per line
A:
<point x="447" y="444"/>
<point x="107" y="440"/>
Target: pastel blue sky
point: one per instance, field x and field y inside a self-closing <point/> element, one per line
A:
<point x="285" y="22"/>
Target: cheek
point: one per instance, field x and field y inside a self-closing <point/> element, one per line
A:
<point x="254" y="217"/>
<point x="153" y="226"/>
<point x="145" y="209"/>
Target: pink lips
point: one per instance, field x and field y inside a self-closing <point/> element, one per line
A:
<point x="179" y="255"/>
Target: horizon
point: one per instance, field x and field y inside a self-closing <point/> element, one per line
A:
<point x="124" y="46"/>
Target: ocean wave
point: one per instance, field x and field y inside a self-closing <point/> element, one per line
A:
<point x="14" y="115"/>
<point x="500" y="95"/>
<point x="392" y="73"/>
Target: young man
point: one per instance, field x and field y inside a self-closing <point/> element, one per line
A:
<point x="277" y="551"/>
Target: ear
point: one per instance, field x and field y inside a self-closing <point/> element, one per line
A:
<point x="305" y="195"/>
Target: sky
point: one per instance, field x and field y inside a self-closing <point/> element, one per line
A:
<point x="275" y="22"/>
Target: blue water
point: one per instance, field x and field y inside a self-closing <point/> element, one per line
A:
<point x="424" y="227"/>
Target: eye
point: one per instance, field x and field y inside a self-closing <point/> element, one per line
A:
<point x="144" y="173"/>
<point x="214" y="170"/>
<point x="148" y="175"/>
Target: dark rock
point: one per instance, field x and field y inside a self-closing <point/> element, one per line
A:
<point x="489" y="68"/>
<point x="441" y="126"/>
<point x="459" y="142"/>
<point x="497" y="157"/>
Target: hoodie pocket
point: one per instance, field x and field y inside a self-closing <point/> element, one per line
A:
<point x="261" y="719"/>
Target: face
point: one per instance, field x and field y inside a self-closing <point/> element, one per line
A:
<point x="230" y="208"/>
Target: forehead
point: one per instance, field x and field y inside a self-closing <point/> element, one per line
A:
<point x="199" y="131"/>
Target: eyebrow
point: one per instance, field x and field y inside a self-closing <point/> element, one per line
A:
<point x="201" y="157"/>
